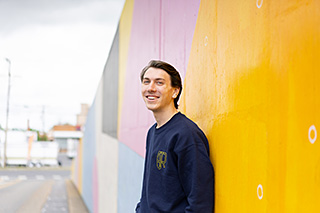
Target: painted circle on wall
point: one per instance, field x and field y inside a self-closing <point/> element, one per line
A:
<point x="312" y="134"/>
<point x="259" y="3"/>
<point x="260" y="191"/>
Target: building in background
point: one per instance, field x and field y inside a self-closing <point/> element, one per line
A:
<point x="24" y="149"/>
<point x="82" y="116"/>
<point x="67" y="135"/>
<point x="63" y="133"/>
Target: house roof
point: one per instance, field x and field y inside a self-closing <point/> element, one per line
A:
<point x="65" y="127"/>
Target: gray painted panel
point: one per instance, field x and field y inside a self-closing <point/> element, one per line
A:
<point x="130" y="179"/>
<point x="110" y="90"/>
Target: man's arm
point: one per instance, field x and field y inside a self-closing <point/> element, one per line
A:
<point x="197" y="177"/>
<point x="138" y="208"/>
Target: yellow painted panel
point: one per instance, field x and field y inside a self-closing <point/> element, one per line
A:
<point x="76" y="168"/>
<point x="80" y="165"/>
<point x="252" y="85"/>
<point x="124" y="41"/>
<point x="302" y="43"/>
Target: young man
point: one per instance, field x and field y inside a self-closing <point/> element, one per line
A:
<point x="178" y="174"/>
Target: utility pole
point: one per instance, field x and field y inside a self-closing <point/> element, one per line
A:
<point x="43" y="119"/>
<point x="7" y="116"/>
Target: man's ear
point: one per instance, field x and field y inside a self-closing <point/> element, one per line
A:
<point x="176" y="92"/>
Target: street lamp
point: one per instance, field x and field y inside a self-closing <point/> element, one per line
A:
<point x="7" y="116"/>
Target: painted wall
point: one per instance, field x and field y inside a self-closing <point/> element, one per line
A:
<point x="251" y="82"/>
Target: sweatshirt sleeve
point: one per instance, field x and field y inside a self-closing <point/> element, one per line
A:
<point x="138" y="208"/>
<point x="196" y="174"/>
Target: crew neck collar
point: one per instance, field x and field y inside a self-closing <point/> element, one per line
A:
<point x="167" y="123"/>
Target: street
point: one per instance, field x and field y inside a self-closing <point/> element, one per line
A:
<point x="32" y="190"/>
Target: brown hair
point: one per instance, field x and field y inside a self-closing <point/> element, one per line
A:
<point x="174" y="76"/>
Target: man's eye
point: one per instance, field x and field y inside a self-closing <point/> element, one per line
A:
<point x="160" y="83"/>
<point x="146" y="82"/>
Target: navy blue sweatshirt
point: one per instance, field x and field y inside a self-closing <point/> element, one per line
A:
<point x="178" y="174"/>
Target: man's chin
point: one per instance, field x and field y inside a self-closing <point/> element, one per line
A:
<point x="152" y="108"/>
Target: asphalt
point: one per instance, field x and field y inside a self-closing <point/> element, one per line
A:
<point x="49" y="194"/>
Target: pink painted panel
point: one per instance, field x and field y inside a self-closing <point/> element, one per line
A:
<point x="95" y="185"/>
<point x="160" y="30"/>
<point x="178" y="22"/>
<point x="144" y="46"/>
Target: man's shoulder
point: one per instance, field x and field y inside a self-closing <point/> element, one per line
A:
<point x="188" y="134"/>
<point x="186" y="126"/>
<point x="186" y="122"/>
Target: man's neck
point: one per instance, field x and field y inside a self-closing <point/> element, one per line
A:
<point x="163" y="117"/>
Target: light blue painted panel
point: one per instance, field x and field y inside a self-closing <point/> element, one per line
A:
<point x="130" y="179"/>
<point x="89" y="147"/>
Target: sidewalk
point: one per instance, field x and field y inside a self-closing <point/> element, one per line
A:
<point x="75" y="202"/>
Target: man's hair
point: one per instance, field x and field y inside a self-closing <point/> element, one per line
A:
<point x="174" y="76"/>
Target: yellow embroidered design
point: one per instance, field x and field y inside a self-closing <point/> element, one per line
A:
<point x="161" y="160"/>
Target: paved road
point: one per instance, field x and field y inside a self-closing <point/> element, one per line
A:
<point x="32" y="190"/>
<point x="64" y="160"/>
<point x="16" y="195"/>
<point x="11" y="174"/>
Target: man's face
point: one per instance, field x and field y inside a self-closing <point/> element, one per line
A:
<point x="157" y="91"/>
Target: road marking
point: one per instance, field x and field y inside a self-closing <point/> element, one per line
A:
<point x="39" y="177"/>
<point x="4" y="178"/>
<point x="22" y="177"/>
<point x="7" y="184"/>
<point x="36" y="199"/>
<point x="57" y="177"/>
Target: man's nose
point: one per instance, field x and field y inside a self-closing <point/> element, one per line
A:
<point x="152" y="87"/>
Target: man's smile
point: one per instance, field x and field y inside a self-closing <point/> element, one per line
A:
<point x="152" y="97"/>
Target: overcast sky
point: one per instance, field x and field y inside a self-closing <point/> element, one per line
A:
<point x="57" y="50"/>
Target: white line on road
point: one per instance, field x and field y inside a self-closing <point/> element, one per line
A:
<point x="4" y="177"/>
<point x="22" y="177"/>
<point x="39" y="177"/>
<point x="57" y="177"/>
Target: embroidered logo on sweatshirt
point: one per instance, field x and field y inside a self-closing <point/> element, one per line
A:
<point x="161" y="160"/>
